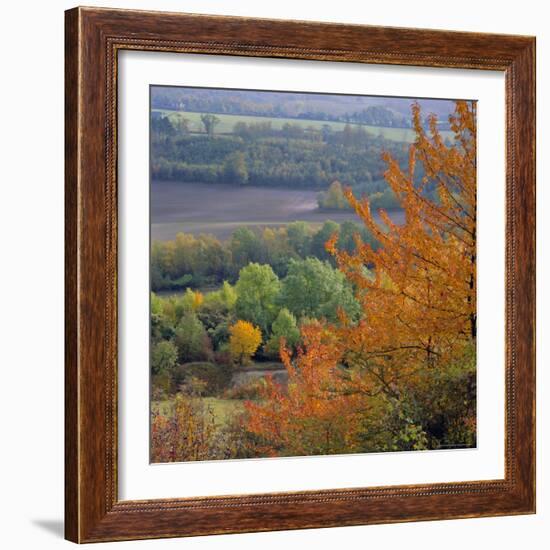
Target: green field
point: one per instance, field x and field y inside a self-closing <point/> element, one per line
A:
<point x="227" y="123"/>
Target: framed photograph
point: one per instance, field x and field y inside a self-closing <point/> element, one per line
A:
<point x="300" y="275"/>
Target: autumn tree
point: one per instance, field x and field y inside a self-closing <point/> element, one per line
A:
<point x="333" y="197"/>
<point x="235" y="168"/>
<point x="244" y="340"/>
<point x="419" y="294"/>
<point x="312" y="415"/>
<point x="192" y="300"/>
<point x="417" y="329"/>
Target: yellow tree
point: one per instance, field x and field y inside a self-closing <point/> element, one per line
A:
<point x="244" y="340"/>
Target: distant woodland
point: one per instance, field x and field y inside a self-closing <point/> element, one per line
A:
<point x="371" y="110"/>
<point x="256" y="153"/>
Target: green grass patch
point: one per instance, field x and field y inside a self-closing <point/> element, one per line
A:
<point x="227" y="122"/>
<point x="222" y="409"/>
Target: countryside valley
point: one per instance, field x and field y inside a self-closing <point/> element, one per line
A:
<point x="268" y="280"/>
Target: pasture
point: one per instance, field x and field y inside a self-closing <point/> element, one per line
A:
<point x="227" y="122"/>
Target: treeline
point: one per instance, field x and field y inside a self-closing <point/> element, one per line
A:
<point x="199" y="261"/>
<point x="334" y="199"/>
<point x="232" y="325"/>
<point x="360" y="110"/>
<point x="259" y="154"/>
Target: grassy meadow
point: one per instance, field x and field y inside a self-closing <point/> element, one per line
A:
<point x="228" y="121"/>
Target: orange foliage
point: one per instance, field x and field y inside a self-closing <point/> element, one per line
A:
<point x="198" y="299"/>
<point x="312" y="415"/>
<point x="418" y="297"/>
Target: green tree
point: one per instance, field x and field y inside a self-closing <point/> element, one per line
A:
<point x="209" y="122"/>
<point x="277" y="251"/>
<point x="284" y="327"/>
<point x="180" y="255"/>
<point x="313" y="288"/>
<point x="299" y="237"/>
<point x="257" y="291"/>
<point x="228" y="295"/>
<point x="163" y="357"/>
<point x="348" y="233"/>
<point x="225" y="297"/>
<point x="235" y="169"/>
<point x="334" y="197"/>
<point x="182" y="125"/>
<point x="386" y="199"/>
<point x="156" y="304"/>
<point x="162" y="127"/>
<point x="321" y="237"/>
<point x="216" y="314"/>
<point x="246" y="247"/>
<point x="191" y="339"/>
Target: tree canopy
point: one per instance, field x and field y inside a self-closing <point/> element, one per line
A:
<point x="313" y="288"/>
<point x="257" y="292"/>
<point x="244" y="340"/>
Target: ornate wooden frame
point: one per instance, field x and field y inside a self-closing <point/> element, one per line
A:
<point x="93" y="38"/>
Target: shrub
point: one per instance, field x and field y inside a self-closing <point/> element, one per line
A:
<point x="186" y="433"/>
<point x="161" y="386"/>
<point x="191" y="339"/>
<point x="163" y="357"/>
<point x="216" y="377"/>
<point x="251" y="389"/>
